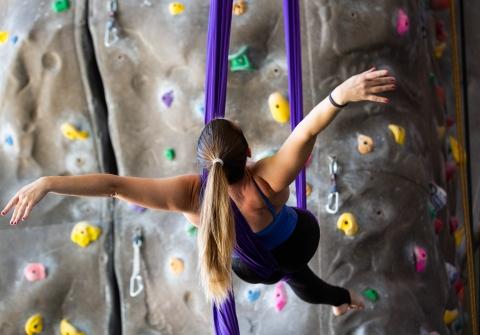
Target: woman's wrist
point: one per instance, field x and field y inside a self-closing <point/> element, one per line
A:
<point x="46" y="181"/>
<point x="338" y="96"/>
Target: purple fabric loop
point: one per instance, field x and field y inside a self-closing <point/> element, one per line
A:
<point x="248" y="247"/>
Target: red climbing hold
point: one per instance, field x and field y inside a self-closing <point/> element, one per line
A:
<point x="450" y="121"/>
<point x="440" y="31"/>
<point x="450" y="170"/>
<point x="454" y="223"/>
<point x="438" y="225"/>
<point x="440" y="91"/>
<point x="440" y="4"/>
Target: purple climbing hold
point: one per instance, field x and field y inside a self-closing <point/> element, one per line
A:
<point x="403" y="22"/>
<point x="167" y="98"/>
<point x="137" y="208"/>
<point x="438" y="196"/>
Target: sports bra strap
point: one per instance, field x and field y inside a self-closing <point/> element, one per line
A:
<point x="267" y="202"/>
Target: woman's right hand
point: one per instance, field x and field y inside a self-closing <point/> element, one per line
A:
<point x="24" y="200"/>
<point x="364" y="86"/>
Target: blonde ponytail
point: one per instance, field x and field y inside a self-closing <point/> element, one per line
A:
<point x="216" y="236"/>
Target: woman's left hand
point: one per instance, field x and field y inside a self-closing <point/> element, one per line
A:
<point x="364" y="86"/>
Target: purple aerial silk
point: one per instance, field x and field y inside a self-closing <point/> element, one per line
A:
<point x="248" y="247"/>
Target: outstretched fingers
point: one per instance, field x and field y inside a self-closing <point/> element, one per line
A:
<point x="380" y="89"/>
<point x="376" y="74"/>
<point x="377" y="98"/>
<point x="21" y="209"/>
<point x="9" y="205"/>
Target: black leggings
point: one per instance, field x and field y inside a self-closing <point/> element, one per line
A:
<point x="293" y="256"/>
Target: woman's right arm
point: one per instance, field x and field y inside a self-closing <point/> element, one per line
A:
<point x="178" y="193"/>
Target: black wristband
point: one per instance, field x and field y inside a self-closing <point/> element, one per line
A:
<point x="334" y="103"/>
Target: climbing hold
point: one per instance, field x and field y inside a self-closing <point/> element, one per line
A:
<point x="191" y="230"/>
<point x="398" y="133"/>
<point x="370" y="294"/>
<point x="176" y="8"/>
<point x="402" y="22"/>
<point x="73" y="133"/>
<point x="167" y="98"/>
<point x="450" y="121"/>
<point x="454" y="223"/>
<point x="239" y="61"/>
<point x="459" y="287"/>
<point x="365" y="144"/>
<point x="34" y="325"/>
<point x="438" y="196"/>
<point x="280" y="296"/>
<point x="457" y="325"/>
<point x="432" y="212"/>
<point x="67" y="329"/>
<point x="459" y="236"/>
<point x="450" y="171"/>
<point x="440" y="92"/>
<point x="452" y="273"/>
<point x="441" y="132"/>
<point x="457" y="151"/>
<point x="137" y="208"/>
<point x="440" y="4"/>
<point x="14" y="39"/>
<point x="4" y="37"/>
<point x="169" y="154"/>
<point x="420" y="258"/>
<point x="308" y="189"/>
<point x="438" y="224"/>
<point x="348" y="224"/>
<point x="449" y="316"/>
<point x="439" y="50"/>
<point x="59" y="6"/>
<point x="34" y="272"/>
<point x="440" y="31"/>
<point x="279" y="107"/>
<point x="84" y="233"/>
<point x="239" y="7"/>
<point x="253" y="294"/>
<point x="176" y="265"/>
<point x="9" y="140"/>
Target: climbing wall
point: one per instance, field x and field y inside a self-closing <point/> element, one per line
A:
<point x="117" y="86"/>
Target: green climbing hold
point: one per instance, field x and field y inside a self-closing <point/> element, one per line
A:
<point x="191" y="230"/>
<point x="431" y="211"/>
<point x="169" y="154"/>
<point x="370" y="294"/>
<point x="239" y="61"/>
<point x="59" y="6"/>
<point x="433" y="79"/>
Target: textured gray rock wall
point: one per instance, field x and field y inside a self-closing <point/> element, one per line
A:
<point x="150" y="81"/>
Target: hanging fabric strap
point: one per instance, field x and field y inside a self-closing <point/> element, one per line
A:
<point x="248" y="247"/>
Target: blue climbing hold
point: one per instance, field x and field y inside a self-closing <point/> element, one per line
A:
<point x="253" y="295"/>
<point x="14" y="39"/>
<point x="9" y="140"/>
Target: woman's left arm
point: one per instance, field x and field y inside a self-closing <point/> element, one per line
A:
<point x="282" y="168"/>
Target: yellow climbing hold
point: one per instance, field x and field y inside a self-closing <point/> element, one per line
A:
<point x="4" y="37"/>
<point x="398" y="133"/>
<point x="459" y="236"/>
<point x="279" y="107"/>
<point x="308" y="190"/>
<point x="67" y="329"/>
<point x="176" y="8"/>
<point x="84" y="233"/>
<point x="348" y="224"/>
<point x="458" y="153"/>
<point x="365" y="144"/>
<point x="176" y="265"/>
<point x="439" y="50"/>
<point x="72" y="133"/>
<point x="34" y="325"/>
<point x="449" y="316"/>
<point x="441" y="132"/>
<point x="239" y="7"/>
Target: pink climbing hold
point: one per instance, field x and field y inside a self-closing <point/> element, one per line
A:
<point x="34" y="272"/>
<point x="402" y="22"/>
<point x="450" y="170"/>
<point x="454" y="223"/>
<point x="280" y="296"/>
<point x="420" y="258"/>
<point x="438" y="225"/>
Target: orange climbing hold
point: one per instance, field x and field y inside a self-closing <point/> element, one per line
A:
<point x="365" y="144"/>
<point x="308" y="189"/>
<point x="176" y="265"/>
<point x="239" y="7"/>
<point x="348" y="224"/>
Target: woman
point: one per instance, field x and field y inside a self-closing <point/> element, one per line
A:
<point x="258" y="190"/>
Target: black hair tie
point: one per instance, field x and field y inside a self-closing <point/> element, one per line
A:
<point x="334" y="103"/>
